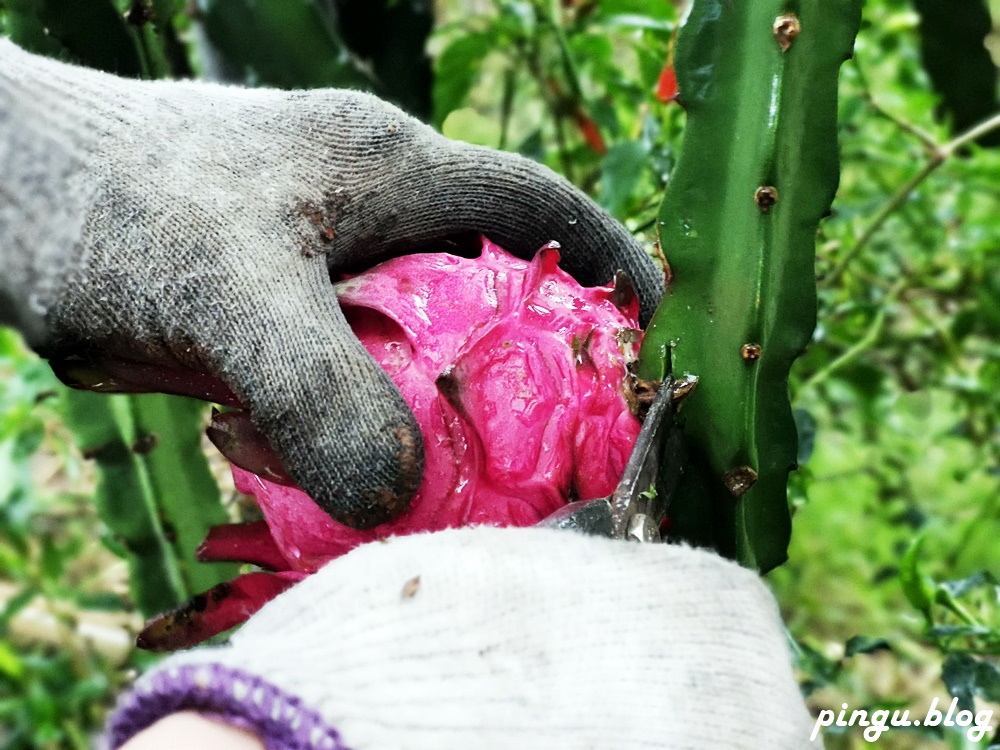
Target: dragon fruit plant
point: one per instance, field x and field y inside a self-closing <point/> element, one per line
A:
<point x="757" y="171"/>
<point x="519" y="380"/>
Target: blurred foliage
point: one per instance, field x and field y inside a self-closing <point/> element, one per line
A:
<point x="890" y="592"/>
<point x="573" y="88"/>
<point x="899" y="392"/>
<point x="53" y="546"/>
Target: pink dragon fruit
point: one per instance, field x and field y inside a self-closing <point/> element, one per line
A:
<point x="518" y="378"/>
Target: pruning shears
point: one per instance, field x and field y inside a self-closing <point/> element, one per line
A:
<point x="639" y="504"/>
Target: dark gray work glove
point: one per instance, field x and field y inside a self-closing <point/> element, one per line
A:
<point x="195" y="226"/>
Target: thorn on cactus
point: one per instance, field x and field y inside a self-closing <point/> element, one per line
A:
<point x="684" y="387"/>
<point x="786" y="28"/>
<point x="739" y="480"/>
<point x="765" y="197"/>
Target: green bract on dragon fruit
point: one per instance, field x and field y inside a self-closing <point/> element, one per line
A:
<point x="519" y="380"/>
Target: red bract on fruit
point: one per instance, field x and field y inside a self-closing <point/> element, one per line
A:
<point x="518" y="378"/>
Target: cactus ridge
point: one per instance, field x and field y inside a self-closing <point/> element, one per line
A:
<point x="757" y="172"/>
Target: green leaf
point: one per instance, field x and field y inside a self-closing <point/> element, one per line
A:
<point x="11" y="665"/>
<point x="456" y="72"/>
<point x="25" y="27"/>
<point x="390" y="37"/>
<point x="533" y="146"/>
<point x="16" y="604"/>
<point x="918" y="587"/>
<point x="631" y="21"/>
<point x="821" y="671"/>
<point x="988" y="681"/>
<point x="805" y="428"/>
<point x="959" y="676"/>
<point x="622" y="168"/>
<point x="466" y="124"/>
<point x="982" y="579"/>
<point x="862" y="644"/>
<point x="280" y="43"/>
<point x="91" y="32"/>
<point x="646" y="9"/>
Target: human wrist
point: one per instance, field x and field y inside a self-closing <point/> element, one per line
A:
<point x="193" y="730"/>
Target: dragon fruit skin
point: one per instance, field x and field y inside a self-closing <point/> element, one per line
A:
<point x="517" y="377"/>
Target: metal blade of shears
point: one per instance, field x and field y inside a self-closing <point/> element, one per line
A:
<point x="640" y="502"/>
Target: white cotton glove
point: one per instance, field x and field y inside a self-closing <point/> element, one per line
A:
<point x="490" y="638"/>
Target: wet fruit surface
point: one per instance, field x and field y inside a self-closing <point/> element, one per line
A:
<point x="519" y="380"/>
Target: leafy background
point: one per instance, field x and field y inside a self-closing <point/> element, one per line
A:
<point x="890" y="592"/>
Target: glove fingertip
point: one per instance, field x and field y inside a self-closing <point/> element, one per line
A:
<point x="383" y="500"/>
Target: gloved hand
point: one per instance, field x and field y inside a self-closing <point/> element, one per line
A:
<point x="498" y="638"/>
<point x="195" y="226"/>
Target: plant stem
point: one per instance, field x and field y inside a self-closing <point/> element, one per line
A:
<point x="507" y="104"/>
<point x="928" y="140"/>
<point x="563" y="146"/>
<point x="553" y="15"/>
<point x="939" y="155"/>
<point x="888" y="210"/>
<point x="950" y="603"/>
<point x="977" y="131"/>
<point x="554" y="102"/>
<point x="741" y="301"/>
<point x="870" y="338"/>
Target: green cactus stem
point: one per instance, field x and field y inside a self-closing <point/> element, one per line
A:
<point x="757" y="171"/>
<point x="155" y="492"/>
